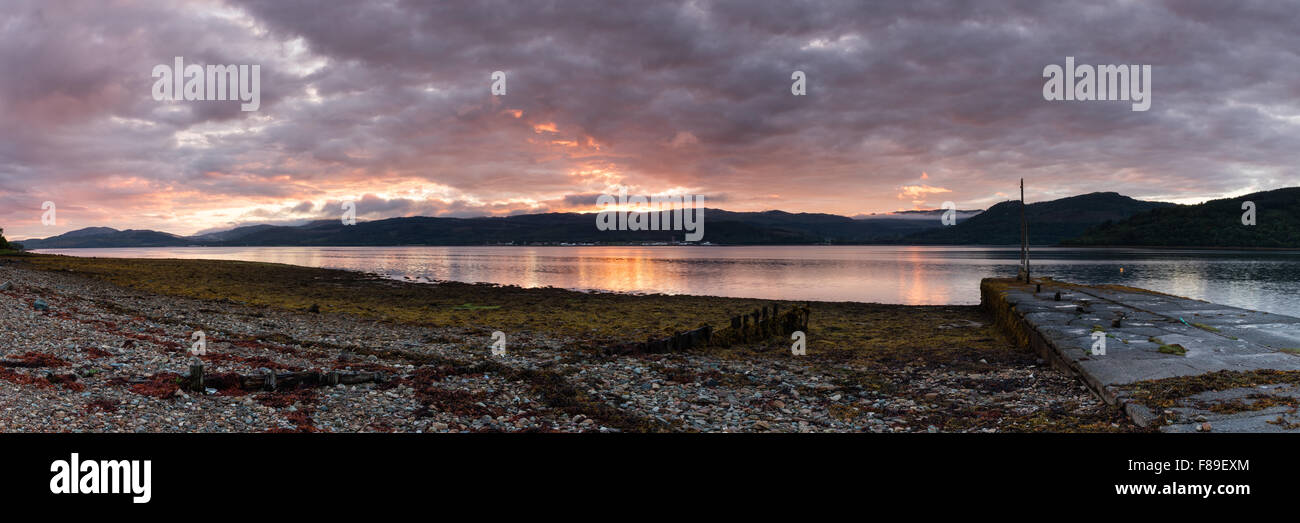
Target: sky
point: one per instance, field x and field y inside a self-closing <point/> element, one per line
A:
<point x="389" y="104"/>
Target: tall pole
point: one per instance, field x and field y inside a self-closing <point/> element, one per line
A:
<point x="1024" y="236"/>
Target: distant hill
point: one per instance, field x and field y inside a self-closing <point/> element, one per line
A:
<point x="720" y="227"/>
<point x="107" y="237"/>
<point x="1050" y="222"/>
<point x="1216" y="223"/>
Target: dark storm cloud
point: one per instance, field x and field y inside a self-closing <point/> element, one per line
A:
<point x="391" y="100"/>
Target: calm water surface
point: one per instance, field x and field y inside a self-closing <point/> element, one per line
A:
<point x="1268" y="281"/>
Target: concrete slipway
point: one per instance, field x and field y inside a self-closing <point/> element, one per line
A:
<point x="1135" y="325"/>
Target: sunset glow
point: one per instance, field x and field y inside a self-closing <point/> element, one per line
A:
<point x="396" y="112"/>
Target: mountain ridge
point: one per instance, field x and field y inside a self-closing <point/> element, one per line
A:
<point x="1211" y="224"/>
<point x="721" y="226"/>
<point x="1050" y="222"/>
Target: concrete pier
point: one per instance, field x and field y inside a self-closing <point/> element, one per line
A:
<point x="1151" y="336"/>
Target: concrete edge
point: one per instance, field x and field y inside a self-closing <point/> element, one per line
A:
<point x="1024" y="333"/>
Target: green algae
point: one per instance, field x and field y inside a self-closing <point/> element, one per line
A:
<point x="1175" y="349"/>
<point x="1205" y="327"/>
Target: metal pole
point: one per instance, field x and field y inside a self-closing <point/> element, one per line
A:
<point x="1024" y="236"/>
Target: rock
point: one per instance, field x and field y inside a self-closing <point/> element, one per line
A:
<point x="40" y="305"/>
<point x="6" y="286"/>
<point x="1204" y="427"/>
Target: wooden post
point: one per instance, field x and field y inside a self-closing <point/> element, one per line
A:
<point x="196" y="377"/>
<point x="269" y="383"/>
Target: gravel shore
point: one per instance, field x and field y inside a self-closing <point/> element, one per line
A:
<point x="83" y="355"/>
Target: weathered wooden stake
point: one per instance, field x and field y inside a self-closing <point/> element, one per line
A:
<point x="196" y="377"/>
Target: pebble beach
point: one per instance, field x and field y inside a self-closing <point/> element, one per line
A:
<point x="78" y="354"/>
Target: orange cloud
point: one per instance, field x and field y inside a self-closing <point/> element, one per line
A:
<point x="915" y="192"/>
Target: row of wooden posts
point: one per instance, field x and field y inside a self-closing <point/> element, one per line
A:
<point x="761" y="324"/>
<point x="271" y="380"/>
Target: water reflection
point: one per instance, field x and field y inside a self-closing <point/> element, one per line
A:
<point x="886" y="274"/>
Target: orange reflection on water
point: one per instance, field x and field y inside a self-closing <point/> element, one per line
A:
<point x="622" y="270"/>
<point x="915" y="279"/>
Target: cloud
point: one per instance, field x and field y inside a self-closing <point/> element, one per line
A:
<point x="918" y="193"/>
<point x="396" y="104"/>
